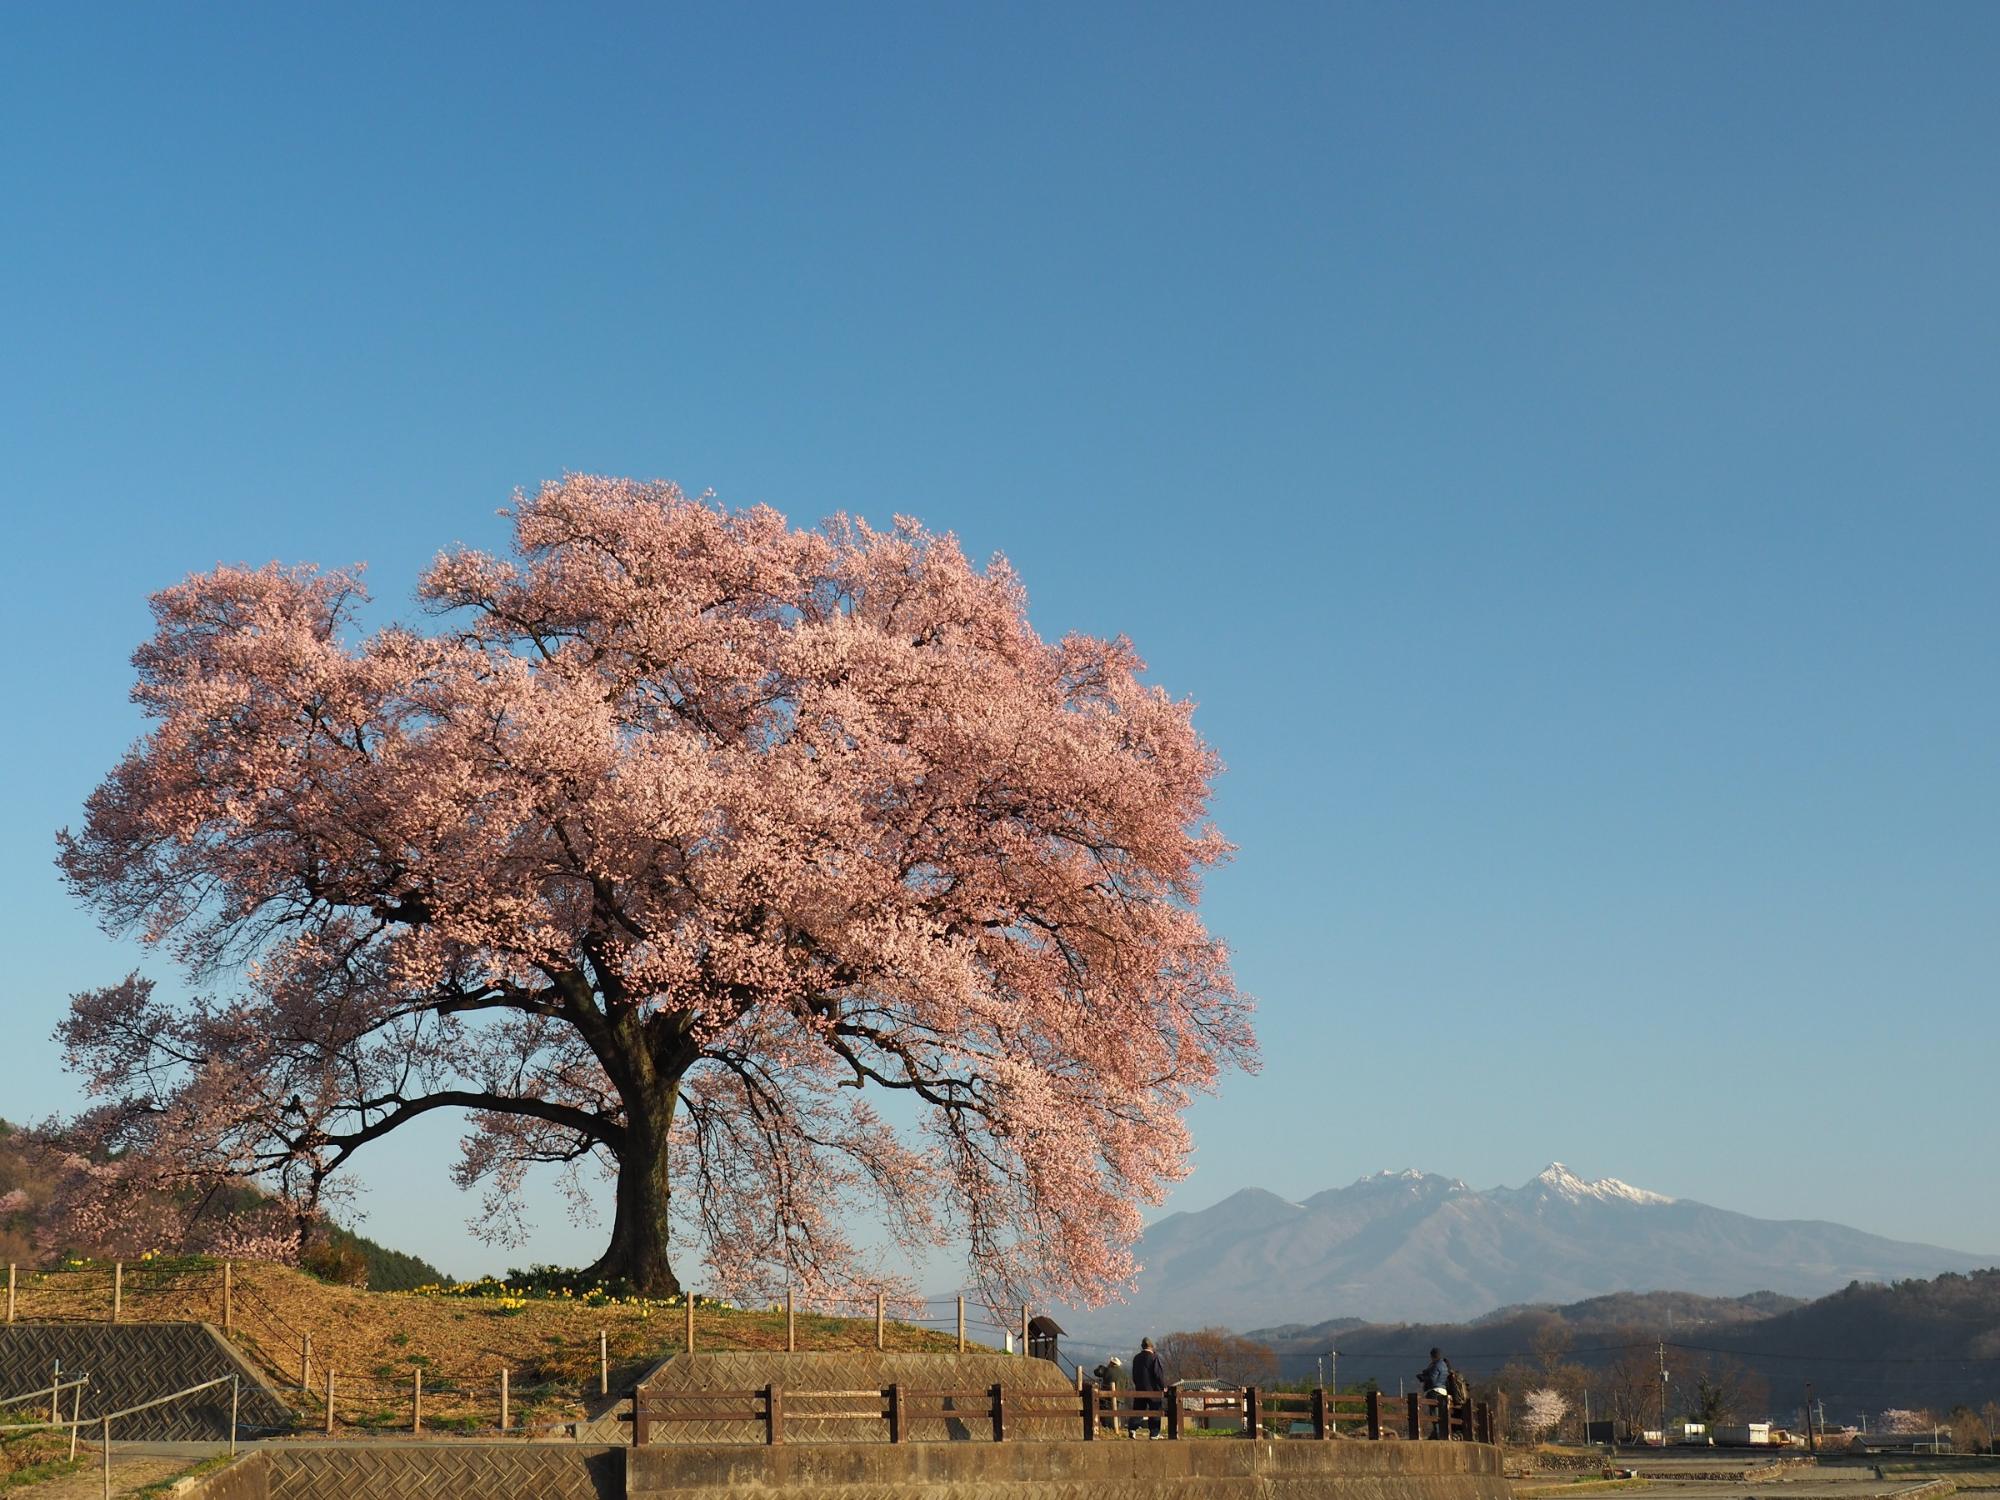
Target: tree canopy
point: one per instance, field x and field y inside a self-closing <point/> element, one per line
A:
<point x="675" y="842"/>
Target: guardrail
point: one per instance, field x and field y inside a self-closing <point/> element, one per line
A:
<point x="103" y="1422"/>
<point x="1096" y="1410"/>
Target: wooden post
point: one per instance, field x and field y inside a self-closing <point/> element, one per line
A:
<point x="305" y="1361"/>
<point x="1484" y="1417"/>
<point x="1319" y="1411"/>
<point x="791" y="1325"/>
<point x="1174" y="1412"/>
<point x="329" y="1403"/>
<point x="105" y="1438"/>
<point x="774" y="1414"/>
<point x="1415" y="1417"/>
<point x="417" y="1399"/>
<point x="229" y="1296"/>
<point x="1087" y="1395"/>
<point x="1024" y="1328"/>
<point x="117" y="1289"/>
<point x="604" y="1362"/>
<point x="10" y="1291"/>
<point x="999" y="1413"/>
<point x="961" y="1314"/>
<point x="641" y="1424"/>
<point x="503" y="1398"/>
<point x="690" y="1322"/>
<point x="1375" y="1416"/>
<point x="881" y="1331"/>
<point x="895" y="1411"/>
<point x="75" y="1416"/>
<point x="1253" y="1413"/>
<point x="235" y="1402"/>
<point x="55" y="1394"/>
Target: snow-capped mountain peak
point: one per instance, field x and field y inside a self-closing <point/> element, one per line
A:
<point x="1557" y="1181"/>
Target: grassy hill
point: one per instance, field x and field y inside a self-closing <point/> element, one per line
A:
<point x="461" y="1338"/>
<point x="387" y="1270"/>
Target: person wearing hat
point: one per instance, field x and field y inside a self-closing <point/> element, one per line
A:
<point x="1110" y="1377"/>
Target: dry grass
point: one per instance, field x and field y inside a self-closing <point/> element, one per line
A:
<point x="375" y="1341"/>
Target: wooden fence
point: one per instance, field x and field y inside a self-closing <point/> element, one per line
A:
<point x="1096" y="1410"/>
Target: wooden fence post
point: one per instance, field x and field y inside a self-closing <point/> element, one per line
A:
<point x="329" y="1402"/>
<point x="881" y="1330"/>
<point x="1375" y="1416"/>
<point x="10" y="1291"/>
<point x="106" y="1439"/>
<point x="1087" y="1394"/>
<point x="1024" y="1328"/>
<point x="1319" y="1411"/>
<point x="117" y="1289"/>
<point x="791" y="1325"/>
<point x="999" y="1413"/>
<point x="503" y="1398"/>
<point x="895" y="1411"/>
<point x="603" y="1363"/>
<point x="75" y="1416"/>
<point x="774" y="1414"/>
<point x="642" y="1427"/>
<point x="689" y="1318"/>
<point x="305" y="1361"/>
<point x="1253" y="1413"/>
<point x="961" y="1309"/>
<point x="229" y="1296"/>
<point x="1174" y="1412"/>
<point x="1415" y="1418"/>
<point x="417" y="1399"/>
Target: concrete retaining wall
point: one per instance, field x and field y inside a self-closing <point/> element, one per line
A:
<point x="1196" y="1469"/>
<point x="388" y="1470"/>
<point x="129" y="1363"/>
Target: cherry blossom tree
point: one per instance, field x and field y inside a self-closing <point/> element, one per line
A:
<point x="675" y="843"/>
<point x="1545" y="1409"/>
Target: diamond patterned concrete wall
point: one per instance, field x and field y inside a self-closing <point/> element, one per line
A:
<point x="867" y="1370"/>
<point x="455" y="1471"/>
<point x="133" y="1362"/>
<point x="1216" y="1469"/>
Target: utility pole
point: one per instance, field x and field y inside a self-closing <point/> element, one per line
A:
<point x="1663" y="1394"/>
<point x="1333" y="1363"/>
<point x="1812" y="1437"/>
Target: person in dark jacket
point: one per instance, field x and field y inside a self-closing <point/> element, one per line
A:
<point x="1148" y="1374"/>
<point x="1435" y="1382"/>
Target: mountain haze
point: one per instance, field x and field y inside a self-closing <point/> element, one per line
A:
<point x="1412" y="1246"/>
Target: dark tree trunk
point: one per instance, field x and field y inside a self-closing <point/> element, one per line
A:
<point x="638" y="1250"/>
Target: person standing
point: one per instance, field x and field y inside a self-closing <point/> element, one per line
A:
<point x="1148" y="1374"/>
<point x="1435" y="1382"/>
<point x="1110" y="1377"/>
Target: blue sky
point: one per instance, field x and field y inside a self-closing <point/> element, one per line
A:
<point x="1555" y="444"/>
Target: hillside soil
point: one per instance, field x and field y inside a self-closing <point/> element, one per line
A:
<point x="376" y="1342"/>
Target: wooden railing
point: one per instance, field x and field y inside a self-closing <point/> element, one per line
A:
<point x="990" y="1409"/>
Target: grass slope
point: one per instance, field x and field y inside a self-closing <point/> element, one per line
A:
<point x="375" y="1341"/>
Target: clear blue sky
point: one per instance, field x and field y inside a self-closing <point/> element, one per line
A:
<point x="1556" y="445"/>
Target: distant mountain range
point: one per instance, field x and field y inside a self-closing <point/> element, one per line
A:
<point x="1921" y="1344"/>
<point x="1412" y="1246"/>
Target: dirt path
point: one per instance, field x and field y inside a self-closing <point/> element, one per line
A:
<point x="128" y="1475"/>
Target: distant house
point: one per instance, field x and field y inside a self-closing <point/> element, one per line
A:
<point x="1936" y="1441"/>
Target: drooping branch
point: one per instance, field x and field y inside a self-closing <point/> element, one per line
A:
<point x="684" y="837"/>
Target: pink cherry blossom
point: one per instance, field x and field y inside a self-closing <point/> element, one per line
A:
<point x="677" y="840"/>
